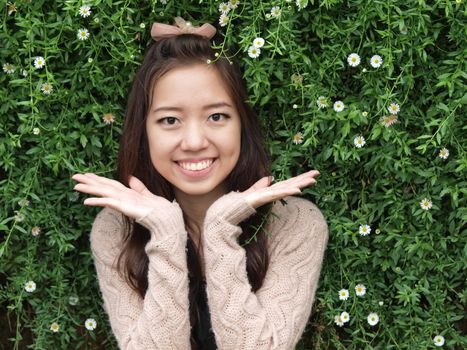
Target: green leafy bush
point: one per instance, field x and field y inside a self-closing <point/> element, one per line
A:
<point x="391" y="155"/>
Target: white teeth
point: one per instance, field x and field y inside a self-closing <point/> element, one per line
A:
<point x="196" y="166"/>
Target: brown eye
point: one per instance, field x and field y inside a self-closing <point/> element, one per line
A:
<point x="168" y="120"/>
<point x="217" y="117"/>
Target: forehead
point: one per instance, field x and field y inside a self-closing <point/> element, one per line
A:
<point x="191" y="86"/>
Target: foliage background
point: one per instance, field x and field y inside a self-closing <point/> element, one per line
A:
<point x="413" y="261"/>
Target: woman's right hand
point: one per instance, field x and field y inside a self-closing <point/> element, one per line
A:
<point x="135" y="201"/>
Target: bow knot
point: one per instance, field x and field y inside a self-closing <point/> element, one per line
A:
<point x="161" y="31"/>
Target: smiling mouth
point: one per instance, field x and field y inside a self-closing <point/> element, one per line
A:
<point x="196" y="166"/>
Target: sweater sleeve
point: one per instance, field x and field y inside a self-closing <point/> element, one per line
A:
<point x="161" y="319"/>
<point x="275" y="316"/>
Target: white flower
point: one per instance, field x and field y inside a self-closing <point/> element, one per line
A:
<point x="224" y="8"/>
<point x="19" y="217"/>
<point x="343" y="294"/>
<point x="234" y="4"/>
<point x="24" y="72"/>
<point x="35" y="231"/>
<point x="438" y="340"/>
<point x="90" y="324"/>
<point x="85" y="11"/>
<point x="54" y="327"/>
<point x="254" y="52"/>
<point x="364" y="230"/>
<point x="163" y="2"/>
<point x="39" y="62"/>
<point x="294" y="106"/>
<point x="297" y="138"/>
<point x="339" y="106"/>
<point x="322" y="102"/>
<point x="380" y="303"/>
<point x="108" y="118"/>
<point x="353" y="60"/>
<point x="83" y="34"/>
<point x="30" y="286"/>
<point x="360" y="289"/>
<point x="373" y="319"/>
<point x="8" y="68"/>
<point x="394" y="108"/>
<point x="47" y="88"/>
<point x="359" y="141"/>
<point x="376" y="61"/>
<point x="345" y="317"/>
<point x="276" y="11"/>
<point x="426" y="204"/>
<point x="365" y="113"/>
<point x="11" y="8"/>
<point x="36" y="131"/>
<point x="73" y="300"/>
<point x="223" y="20"/>
<point x="389" y="120"/>
<point x="23" y="203"/>
<point x="443" y="153"/>
<point x="301" y="4"/>
<point x="258" y="43"/>
<point x="142" y="25"/>
<point x="338" y="320"/>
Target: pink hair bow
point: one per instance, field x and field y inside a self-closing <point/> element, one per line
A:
<point x="161" y="31"/>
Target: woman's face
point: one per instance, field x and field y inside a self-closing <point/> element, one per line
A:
<point x="193" y="129"/>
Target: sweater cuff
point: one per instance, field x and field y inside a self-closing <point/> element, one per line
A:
<point x="231" y="207"/>
<point x="164" y="220"/>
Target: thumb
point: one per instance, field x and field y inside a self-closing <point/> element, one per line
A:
<point x="137" y="185"/>
<point x="261" y="183"/>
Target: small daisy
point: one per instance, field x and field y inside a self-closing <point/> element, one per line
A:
<point x="276" y="11"/>
<point x="301" y="4"/>
<point x="23" y="203"/>
<point x="234" y="4"/>
<point x="322" y="102"/>
<point x="11" y="8"/>
<point x="343" y="294"/>
<point x="8" y="68"/>
<point x="359" y="141"/>
<point x="24" y="72"/>
<point x="360" y="290"/>
<point x="224" y="8"/>
<point x="258" y="43"/>
<point x="85" y="11"/>
<point x="47" y="88"/>
<point x="426" y="204"/>
<point x="254" y="52"/>
<point x="73" y="300"/>
<point x="345" y="317"/>
<point x="438" y="340"/>
<point x="365" y="113"/>
<point x="223" y="20"/>
<point x="297" y="138"/>
<point x="364" y="230"/>
<point x="83" y="34"/>
<point x="90" y="324"/>
<point x="19" y="217"/>
<point x="339" y="106"/>
<point x="443" y="153"/>
<point x="353" y="60"/>
<point x="54" y="327"/>
<point x="297" y="78"/>
<point x="381" y="303"/>
<point x="338" y="321"/>
<point x="142" y="25"/>
<point x="36" y="131"/>
<point x="376" y="61"/>
<point x="394" y="108"/>
<point x="108" y="118"/>
<point x="377" y="231"/>
<point x="30" y="286"/>
<point x="35" y="231"/>
<point x="389" y="120"/>
<point x="39" y="62"/>
<point x="294" y="106"/>
<point x="373" y="319"/>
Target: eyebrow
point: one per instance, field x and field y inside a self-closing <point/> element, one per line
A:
<point x="179" y="109"/>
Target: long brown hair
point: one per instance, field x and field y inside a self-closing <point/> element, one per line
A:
<point x="134" y="159"/>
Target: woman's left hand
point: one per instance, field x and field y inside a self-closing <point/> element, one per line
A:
<point x="263" y="192"/>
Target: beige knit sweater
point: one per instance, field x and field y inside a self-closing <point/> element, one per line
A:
<point x="272" y="318"/>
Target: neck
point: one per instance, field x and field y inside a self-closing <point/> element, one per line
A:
<point x="195" y="207"/>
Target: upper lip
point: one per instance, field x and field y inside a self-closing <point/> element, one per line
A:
<point x="194" y="160"/>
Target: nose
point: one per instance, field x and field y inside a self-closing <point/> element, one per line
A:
<point x="194" y="138"/>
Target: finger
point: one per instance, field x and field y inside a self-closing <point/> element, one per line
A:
<point x="261" y="183"/>
<point x="97" y="190"/>
<point x="103" y="202"/>
<point x="137" y="185"/>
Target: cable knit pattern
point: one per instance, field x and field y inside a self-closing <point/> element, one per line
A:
<point x="272" y="318"/>
<point x="160" y="321"/>
<point x="275" y="316"/>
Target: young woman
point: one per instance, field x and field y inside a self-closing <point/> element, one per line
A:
<point x="208" y="253"/>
